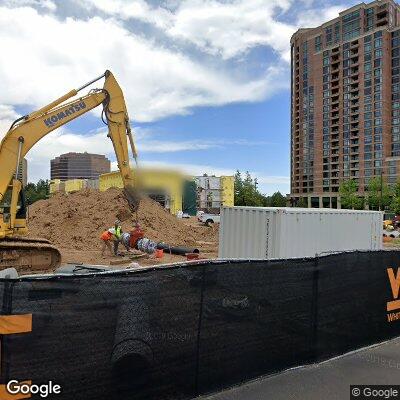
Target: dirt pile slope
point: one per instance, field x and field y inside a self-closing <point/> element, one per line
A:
<point x="76" y="221"/>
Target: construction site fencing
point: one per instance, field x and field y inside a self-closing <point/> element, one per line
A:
<point x="179" y="331"/>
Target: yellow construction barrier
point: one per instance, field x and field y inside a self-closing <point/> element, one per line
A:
<point x="55" y="186"/>
<point x="228" y="191"/>
<point x="74" y="185"/>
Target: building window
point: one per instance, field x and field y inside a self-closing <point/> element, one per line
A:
<point x="378" y="42"/>
<point x="318" y="43"/>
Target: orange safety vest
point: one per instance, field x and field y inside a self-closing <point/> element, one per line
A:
<point x="106" y="236"/>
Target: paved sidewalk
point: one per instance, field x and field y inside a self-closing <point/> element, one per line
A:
<point x="330" y="380"/>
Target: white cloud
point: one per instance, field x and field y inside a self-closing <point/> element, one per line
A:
<point x="44" y="4"/>
<point x="7" y="116"/>
<point x="158" y="82"/>
<point x="156" y="146"/>
<point x="126" y="9"/>
<point x="311" y="18"/>
<point x="229" y="29"/>
<point x="226" y="29"/>
<point x="222" y="28"/>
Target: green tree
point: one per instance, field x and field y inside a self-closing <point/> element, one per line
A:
<point x="395" y="203"/>
<point x="238" y="189"/>
<point x="278" y="200"/>
<point x="246" y="191"/>
<point x="302" y="203"/>
<point x="379" y="194"/>
<point x="348" y="195"/>
<point x="34" y="192"/>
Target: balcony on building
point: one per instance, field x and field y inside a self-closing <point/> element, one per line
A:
<point x="354" y="44"/>
<point x="335" y="58"/>
<point x="335" y="99"/>
<point x="354" y="71"/>
<point x="354" y="88"/>
<point x="354" y="119"/>
<point x="382" y="15"/>
<point x="335" y="122"/>
<point x="354" y="61"/>
<point x="354" y="52"/>
<point x="335" y="113"/>
<point x="354" y="103"/>
<point x="354" y="156"/>
<point x="354" y="165"/>
<point x="354" y="96"/>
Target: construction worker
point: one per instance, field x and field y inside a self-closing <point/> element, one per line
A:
<point x="129" y="240"/>
<point x="117" y="235"/>
<point x="135" y="235"/>
<point x="106" y="238"/>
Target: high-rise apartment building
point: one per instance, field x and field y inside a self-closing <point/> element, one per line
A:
<point x="79" y="166"/>
<point x="345" y="105"/>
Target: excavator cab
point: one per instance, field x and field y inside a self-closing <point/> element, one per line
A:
<point x="5" y="206"/>
<point x="22" y="208"/>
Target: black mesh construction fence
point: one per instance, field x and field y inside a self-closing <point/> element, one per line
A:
<point x="173" y="333"/>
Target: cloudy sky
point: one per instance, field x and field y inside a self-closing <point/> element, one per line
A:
<point x="206" y="81"/>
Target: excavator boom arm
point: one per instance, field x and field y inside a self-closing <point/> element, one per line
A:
<point x="22" y="137"/>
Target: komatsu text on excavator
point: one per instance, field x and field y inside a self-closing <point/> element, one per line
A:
<point x="34" y="253"/>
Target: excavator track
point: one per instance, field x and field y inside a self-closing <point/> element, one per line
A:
<point x="28" y="254"/>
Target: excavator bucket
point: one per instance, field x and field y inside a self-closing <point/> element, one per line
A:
<point x="133" y="198"/>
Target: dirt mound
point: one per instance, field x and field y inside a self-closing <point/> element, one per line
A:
<point x="76" y="221"/>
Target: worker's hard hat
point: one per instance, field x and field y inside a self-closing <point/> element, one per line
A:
<point x="112" y="231"/>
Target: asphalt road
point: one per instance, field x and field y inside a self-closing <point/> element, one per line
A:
<point x="330" y="380"/>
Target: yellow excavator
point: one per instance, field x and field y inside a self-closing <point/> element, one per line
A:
<point x="34" y="253"/>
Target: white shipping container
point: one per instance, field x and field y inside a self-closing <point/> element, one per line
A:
<point x="265" y="233"/>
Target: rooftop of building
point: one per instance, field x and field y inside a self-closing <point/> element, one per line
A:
<point x="345" y="12"/>
<point x="85" y="153"/>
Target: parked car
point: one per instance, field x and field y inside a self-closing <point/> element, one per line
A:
<point x="391" y="233"/>
<point x="199" y="214"/>
<point x="209" y="219"/>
